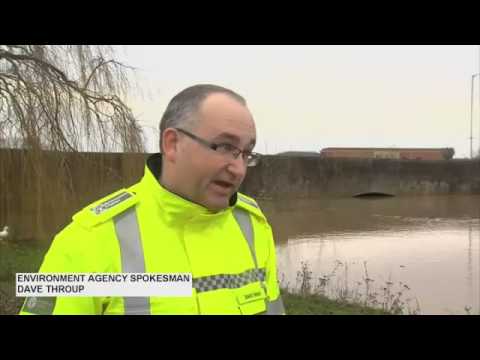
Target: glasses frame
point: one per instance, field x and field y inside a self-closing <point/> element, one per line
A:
<point x="251" y="158"/>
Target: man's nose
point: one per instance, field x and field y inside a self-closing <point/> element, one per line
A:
<point x="238" y="167"/>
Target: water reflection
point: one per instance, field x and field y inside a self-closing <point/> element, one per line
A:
<point x="429" y="243"/>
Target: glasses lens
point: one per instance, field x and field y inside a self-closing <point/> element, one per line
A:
<point x="253" y="159"/>
<point x="225" y="149"/>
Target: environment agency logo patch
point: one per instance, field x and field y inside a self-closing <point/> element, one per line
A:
<point x="40" y="305"/>
<point x="111" y="203"/>
<point x="31" y="302"/>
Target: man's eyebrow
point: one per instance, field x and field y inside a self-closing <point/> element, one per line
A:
<point x="231" y="137"/>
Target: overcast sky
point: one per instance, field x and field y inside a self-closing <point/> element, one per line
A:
<point x="311" y="97"/>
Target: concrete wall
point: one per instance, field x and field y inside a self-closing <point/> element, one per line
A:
<point x="305" y="177"/>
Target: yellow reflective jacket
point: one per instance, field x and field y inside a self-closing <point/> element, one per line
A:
<point x="145" y="228"/>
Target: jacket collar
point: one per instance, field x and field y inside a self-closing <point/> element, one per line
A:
<point x="173" y="206"/>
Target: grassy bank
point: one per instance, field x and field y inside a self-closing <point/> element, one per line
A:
<point x="331" y="292"/>
<point x="15" y="258"/>
<point x="320" y="305"/>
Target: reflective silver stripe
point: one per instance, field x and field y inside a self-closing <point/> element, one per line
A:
<point x="133" y="261"/>
<point x="40" y="305"/>
<point x="245" y="223"/>
<point x="248" y="201"/>
<point x="275" y="307"/>
<point x="228" y="281"/>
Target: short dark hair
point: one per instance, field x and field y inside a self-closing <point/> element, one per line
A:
<point x="183" y="107"/>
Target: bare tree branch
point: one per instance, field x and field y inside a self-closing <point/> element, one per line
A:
<point x="68" y="97"/>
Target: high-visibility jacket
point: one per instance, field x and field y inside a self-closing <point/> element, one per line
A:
<point x="147" y="229"/>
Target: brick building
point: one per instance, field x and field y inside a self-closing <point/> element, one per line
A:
<point x="390" y="153"/>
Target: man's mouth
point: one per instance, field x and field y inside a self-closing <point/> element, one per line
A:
<point x="224" y="184"/>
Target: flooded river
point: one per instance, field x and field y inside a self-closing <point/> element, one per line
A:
<point x="426" y="247"/>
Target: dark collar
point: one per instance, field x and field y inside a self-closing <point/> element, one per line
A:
<point x="154" y="164"/>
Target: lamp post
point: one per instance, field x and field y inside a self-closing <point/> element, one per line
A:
<point x="471" y="113"/>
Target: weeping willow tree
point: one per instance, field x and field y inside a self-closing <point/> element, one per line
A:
<point x="58" y="101"/>
<point x="66" y="98"/>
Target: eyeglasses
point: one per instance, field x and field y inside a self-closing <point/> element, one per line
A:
<point x="226" y="149"/>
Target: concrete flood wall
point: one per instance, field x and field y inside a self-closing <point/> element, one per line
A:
<point x="303" y="177"/>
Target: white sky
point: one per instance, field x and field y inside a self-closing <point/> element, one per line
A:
<point x="312" y="97"/>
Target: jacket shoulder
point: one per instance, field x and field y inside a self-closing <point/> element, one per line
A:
<point x="105" y="208"/>
<point x="249" y="204"/>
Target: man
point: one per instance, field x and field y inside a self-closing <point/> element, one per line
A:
<point x="184" y="216"/>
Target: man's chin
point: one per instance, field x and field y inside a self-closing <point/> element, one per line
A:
<point x="217" y="204"/>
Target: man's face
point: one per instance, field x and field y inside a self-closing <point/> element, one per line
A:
<point x="207" y="177"/>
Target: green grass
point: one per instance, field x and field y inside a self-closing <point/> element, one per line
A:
<point x="16" y="259"/>
<point x="320" y="305"/>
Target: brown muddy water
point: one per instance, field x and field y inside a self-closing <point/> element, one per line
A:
<point x="427" y="246"/>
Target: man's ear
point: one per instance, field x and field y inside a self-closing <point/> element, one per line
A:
<point x="169" y="144"/>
